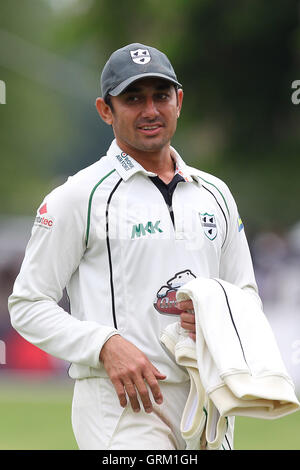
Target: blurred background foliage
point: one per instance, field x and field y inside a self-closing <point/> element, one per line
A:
<point x="235" y="59"/>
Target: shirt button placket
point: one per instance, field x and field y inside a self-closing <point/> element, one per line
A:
<point x="178" y="217"/>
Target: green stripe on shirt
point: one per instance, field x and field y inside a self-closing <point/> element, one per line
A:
<point x="90" y="205"/>
<point x="218" y="191"/>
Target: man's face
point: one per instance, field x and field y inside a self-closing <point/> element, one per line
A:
<point x="144" y="116"/>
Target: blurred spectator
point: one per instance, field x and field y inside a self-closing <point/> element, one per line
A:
<point x="277" y="268"/>
<point x="21" y="356"/>
<point x="269" y="251"/>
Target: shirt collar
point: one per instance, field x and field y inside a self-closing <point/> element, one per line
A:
<point x="126" y="166"/>
<point x="187" y="172"/>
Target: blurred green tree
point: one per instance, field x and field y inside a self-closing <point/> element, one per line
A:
<point x="236" y="59"/>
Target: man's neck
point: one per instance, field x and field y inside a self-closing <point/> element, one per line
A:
<point x="160" y="162"/>
<point x="163" y="167"/>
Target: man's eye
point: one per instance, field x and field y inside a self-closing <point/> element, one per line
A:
<point x="132" y="98"/>
<point x="163" y="96"/>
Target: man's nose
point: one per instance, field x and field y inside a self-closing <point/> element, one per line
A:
<point x="150" y="110"/>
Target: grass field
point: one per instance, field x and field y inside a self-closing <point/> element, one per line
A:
<point x="37" y="415"/>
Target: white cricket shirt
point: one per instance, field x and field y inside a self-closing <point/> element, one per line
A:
<point x="106" y="235"/>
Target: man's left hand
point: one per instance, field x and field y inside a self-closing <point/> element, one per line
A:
<point x="187" y="317"/>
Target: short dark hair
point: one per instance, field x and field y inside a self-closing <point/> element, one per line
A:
<point x="107" y="100"/>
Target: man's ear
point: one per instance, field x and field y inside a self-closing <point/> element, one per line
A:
<point x="104" y="111"/>
<point x="179" y="101"/>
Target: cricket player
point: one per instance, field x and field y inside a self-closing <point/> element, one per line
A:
<point x="122" y="235"/>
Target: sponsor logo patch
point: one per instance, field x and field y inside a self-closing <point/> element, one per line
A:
<point x="165" y="301"/>
<point x="43" y="209"/>
<point x="141" y="229"/>
<point x="41" y="220"/>
<point x="125" y="161"/>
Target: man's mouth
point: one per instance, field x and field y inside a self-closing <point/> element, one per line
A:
<point x="150" y="129"/>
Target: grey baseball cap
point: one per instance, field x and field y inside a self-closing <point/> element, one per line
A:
<point x="131" y="63"/>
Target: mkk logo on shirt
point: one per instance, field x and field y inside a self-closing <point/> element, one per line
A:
<point x="142" y="229"/>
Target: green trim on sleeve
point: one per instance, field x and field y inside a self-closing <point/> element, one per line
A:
<point x="218" y="191"/>
<point x="90" y="206"/>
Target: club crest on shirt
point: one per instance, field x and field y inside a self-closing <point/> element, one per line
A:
<point x="166" y="296"/>
<point x="208" y="222"/>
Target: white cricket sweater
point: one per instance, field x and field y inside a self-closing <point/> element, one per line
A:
<point x="107" y="236"/>
<point x="235" y="364"/>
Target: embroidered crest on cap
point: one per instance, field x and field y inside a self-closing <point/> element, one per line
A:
<point x="140" y="56"/>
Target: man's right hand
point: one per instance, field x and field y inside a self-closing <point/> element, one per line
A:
<point x="130" y="371"/>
